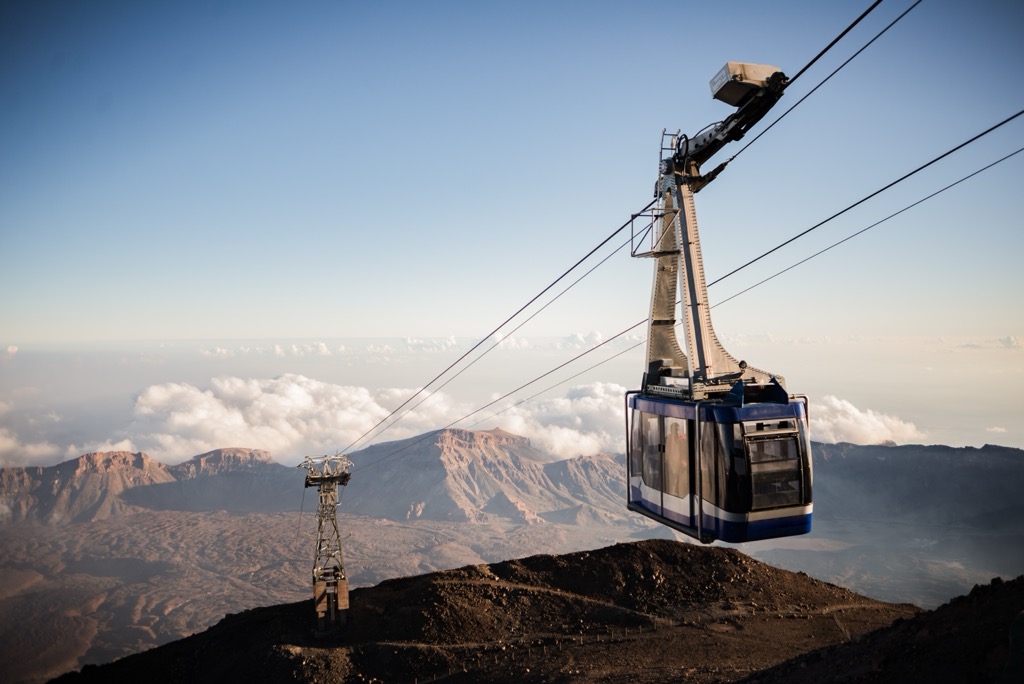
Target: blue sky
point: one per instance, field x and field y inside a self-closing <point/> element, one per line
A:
<point x="187" y="189"/>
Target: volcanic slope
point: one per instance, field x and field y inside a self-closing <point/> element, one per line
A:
<point x="473" y="476"/>
<point x="650" y="611"/>
<point x="978" y="637"/>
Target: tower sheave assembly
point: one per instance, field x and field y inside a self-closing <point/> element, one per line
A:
<point x="330" y="585"/>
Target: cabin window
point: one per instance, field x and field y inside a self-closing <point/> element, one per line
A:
<point x="710" y="465"/>
<point x="636" y="445"/>
<point x="677" y="458"/>
<point x="652" y="450"/>
<point x="734" y="469"/>
<point x="775" y="465"/>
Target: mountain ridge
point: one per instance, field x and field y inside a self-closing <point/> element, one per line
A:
<point x="470" y="476"/>
<point x="447" y="475"/>
<point x="473" y="476"/>
<point x="83" y="489"/>
<point x="99" y="485"/>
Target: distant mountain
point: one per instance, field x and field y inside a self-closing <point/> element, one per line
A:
<point x="234" y="479"/>
<point x="910" y="523"/>
<point x="447" y="475"/>
<point x="913" y="483"/>
<point x="97" y="486"/>
<point x="84" y="489"/>
<point x="474" y="476"/>
<point x="221" y="461"/>
<point x="471" y="476"/>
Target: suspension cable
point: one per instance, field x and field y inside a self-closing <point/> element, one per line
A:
<point x="648" y="206"/>
<point x="736" y="270"/>
<point x="835" y="40"/>
<point x="826" y="79"/>
<point x="873" y="194"/>
<point x="641" y="322"/>
<point x="504" y="396"/>
<point x="502" y="325"/>
<point x="802" y="261"/>
<point x="864" y="230"/>
<point x="423" y="389"/>
<point x="560" y="382"/>
<point x="511" y="332"/>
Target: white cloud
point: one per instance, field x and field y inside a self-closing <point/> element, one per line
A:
<point x="74" y="451"/>
<point x="14" y="452"/>
<point x="305" y="349"/>
<point x="292" y="416"/>
<point x="279" y="350"/>
<point x="9" y="353"/>
<point x="996" y="429"/>
<point x="580" y="340"/>
<point x="836" y="420"/>
<point x="746" y="339"/>
<point x="289" y="416"/>
<point x="431" y="345"/>
<point x="509" y="342"/>
<point x="216" y="352"/>
<point x="587" y="420"/>
<point x="430" y="411"/>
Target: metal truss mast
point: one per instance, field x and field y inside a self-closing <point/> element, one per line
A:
<point x="330" y="585"/>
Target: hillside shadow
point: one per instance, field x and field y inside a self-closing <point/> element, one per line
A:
<point x="234" y="492"/>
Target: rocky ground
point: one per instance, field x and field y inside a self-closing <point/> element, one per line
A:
<point x="91" y="593"/>
<point x="651" y="611"/>
<point x="113" y="554"/>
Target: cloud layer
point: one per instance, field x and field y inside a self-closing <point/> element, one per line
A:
<point x="16" y="452"/>
<point x="836" y="420"/>
<point x="292" y="416"/>
<point x="587" y="420"/>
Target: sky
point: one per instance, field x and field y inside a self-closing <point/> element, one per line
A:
<point x="269" y="224"/>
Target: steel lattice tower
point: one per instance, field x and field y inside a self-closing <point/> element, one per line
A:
<point x="330" y="585"/>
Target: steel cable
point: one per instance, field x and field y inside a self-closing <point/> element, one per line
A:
<point x="496" y="330"/>
<point x="826" y="79"/>
<point x="641" y="322"/>
<point x="476" y="346"/>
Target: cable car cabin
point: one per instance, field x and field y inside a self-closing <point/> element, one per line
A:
<point x="753" y="460"/>
<point x="716" y="448"/>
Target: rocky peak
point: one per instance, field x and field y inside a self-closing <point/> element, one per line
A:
<point x="476" y="439"/>
<point x="83" y="489"/>
<point x="219" y="461"/>
<point x="109" y="461"/>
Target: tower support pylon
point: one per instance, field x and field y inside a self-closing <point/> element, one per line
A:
<point x="330" y="584"/>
